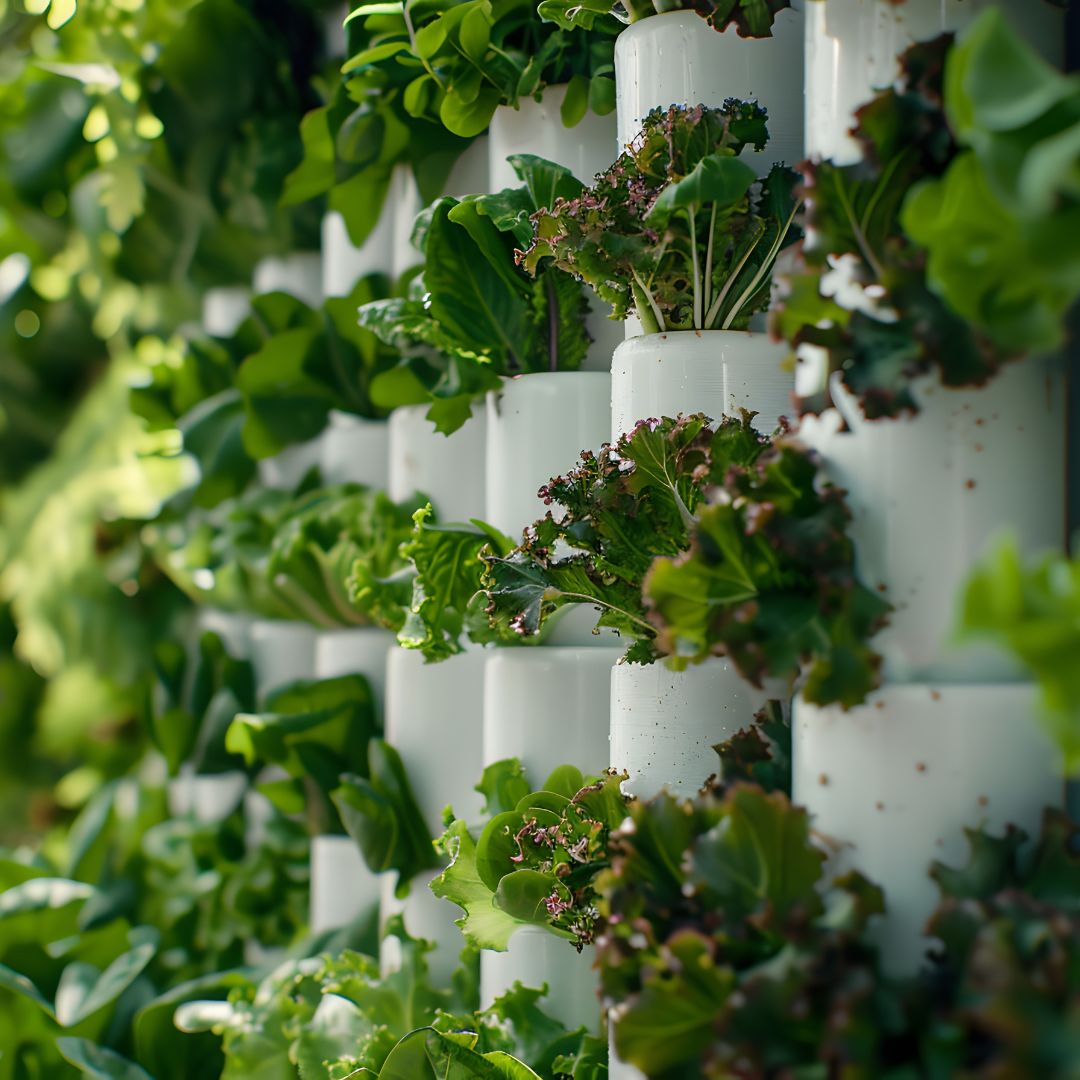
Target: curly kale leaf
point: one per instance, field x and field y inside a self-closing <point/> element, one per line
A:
<point x="619" y="509"/>
<point x="769" y="580"/>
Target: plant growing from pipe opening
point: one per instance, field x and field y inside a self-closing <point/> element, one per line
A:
<point x="679" y="231"/>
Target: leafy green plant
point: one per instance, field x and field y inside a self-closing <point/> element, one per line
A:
<point x="335" y="1016"/>
<point x="446" y="599"/>
<point x="696" y="541"/>
<point x="751" y="18"/>
<point x="473" y="316"/>
<point x="1031" y="612"/>
<point x="335" y="554"/>
<point x="328" y="556"/>
<point x="198" y="697"/>
<point x="890" y="288"/>
<point x="769" y="580"/>
<point x="679" y="230"/>
<point x="714" y="926"/>
<point x="535" y="861"/>
<point x="1017" y="168"/>
<point x="464" y="60"/>
<point x="363" y="130"/>
<point x="347" y="779"/>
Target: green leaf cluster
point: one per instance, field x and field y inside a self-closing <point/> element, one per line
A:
<point x="329" y="556"/>
<point x="1033" y="613"/>
<point x="197" y="698"/>
<point x="679" y="230"/>
<point x="363" y="131"/>
<point x="458" y="62"/>
<point x="535" y="861"/>
<point x="473" y="317"/>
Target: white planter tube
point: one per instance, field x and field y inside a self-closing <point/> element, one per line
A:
<point x="233" y="627"/>
<point x="224" y="309"/>
<point x="208" y="798"/>
<point x="354" y="450"/>
<point x="286" y="469"/>
<point x="607" y="335"/>
<point x="664" y="723"/>
<point x="548" y="706"/>
<point x="537" y="427"/>
<point x="298" y="274"/>
<point x="895" y="781"/>
<point x="343" y="263"/>
<point x="928" y="492"/>
<point x="852" y="48"/>
<point x="356" y="650"/>
<point x="426" y="916"/>
<point x="448" y="470"/>
<point x="342" y="887"/>
<point x="677" y="58"/>
<point x="536" y="127"/>
<point x="434" y="719"/>
<point x="536" y="957"/>
<point x="469" y="176"/>
<point x="717" y="372"/>
<point x="281" y="652"/>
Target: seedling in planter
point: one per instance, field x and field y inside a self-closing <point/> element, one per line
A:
<point x="679" y="230"/>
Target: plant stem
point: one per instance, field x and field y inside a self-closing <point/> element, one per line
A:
<point x="696" y="268"/>
<point x="708" y="261"/>
<point x="657" y="313"/>
<point x="721" y="296"/>
<point x="765" y="268"/>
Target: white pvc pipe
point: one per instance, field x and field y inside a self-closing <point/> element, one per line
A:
<point x="717" y="372"/>
<point x="929" y="492"/>
<point x="852" y="48"/>
<point x="892" y="784"/>
<point x="664" y="723"/>
<point x="677" y="58"/>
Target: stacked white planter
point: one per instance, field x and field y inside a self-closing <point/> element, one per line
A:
<point x="298" y="274"/>
<point x="927" y="493"/>
<point x="537" y="427"/>
<point x="281" y="652"/>
<point x="677" y="58"/>
<point x="664" y="723"/>
<point x="852" y="46"/>
<point x="547" y="706"/>
<point x="434" y="719"/>
<point x="717" y="372"/>
<point x="448" y="470"/>
<point x="343" y="263"/>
